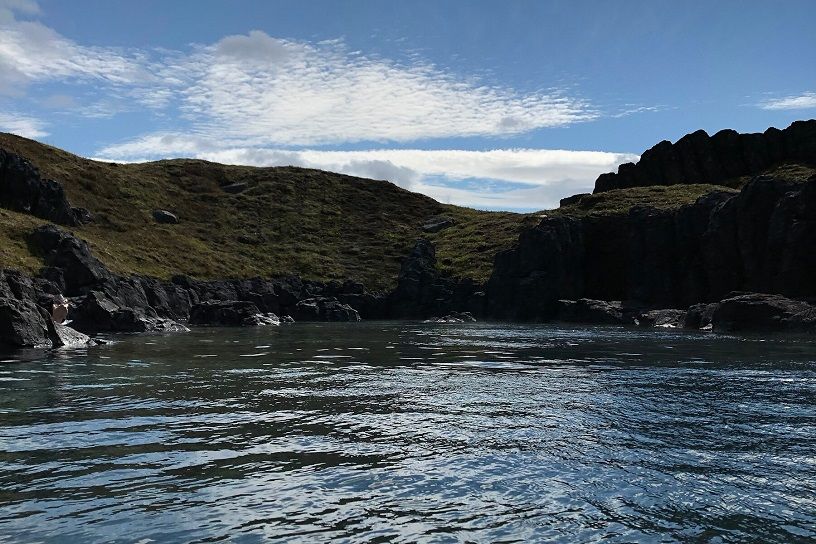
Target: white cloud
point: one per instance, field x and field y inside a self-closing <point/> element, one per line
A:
<point x="268" y="91"/>
<point x="551" y="174"/>
<point x="30" y="52"/>
<point x="22" y="125"/>
<point x="806" y="100"/>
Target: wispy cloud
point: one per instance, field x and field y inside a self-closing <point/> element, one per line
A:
<point x="262" y="90"/>
<point x="22" y="125"/>
<point x="271" y="91"/>
<point x="806" y="100"/>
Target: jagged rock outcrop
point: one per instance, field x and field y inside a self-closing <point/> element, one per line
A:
<point x="667" y="318"/>
<point x="23" y="190"/>
<point x="24" y="314"/>
<point x="759" y="240"/>
<point x="65" y="252"/>
<point x="700" y="158"/>
<point x="324" y="309"/>
<point x="423" y="291"/>
<point x="230" y="313"/>
<point x="758" y="312"/>
<point x="453" y="317"/>
<point x="97" y="313"/>
<point x="599" y="312"/>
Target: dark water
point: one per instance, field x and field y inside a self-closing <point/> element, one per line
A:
<point x="381" y="432"/>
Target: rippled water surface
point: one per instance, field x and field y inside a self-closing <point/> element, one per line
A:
<point x="412" y="432"/>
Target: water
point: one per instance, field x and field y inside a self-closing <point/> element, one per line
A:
<point x="381" y="432"/>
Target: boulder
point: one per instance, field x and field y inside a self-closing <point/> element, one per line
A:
<point x="165" y="217"/>
<point x="324" y="309"/>
<point x="435" y="224"/>
<point x="83" y="215"/>
<point x="699" y="316"/>
<point x="599" y="312"/>
<point x="759" y="312"/>
<point x="63" y="336"/>
<point x="453" y="317"/>
<point x="230" y="313"/>
<point x="234" y="188"/>
<point x="96" y="313"/>
<point x="667" y="319"/>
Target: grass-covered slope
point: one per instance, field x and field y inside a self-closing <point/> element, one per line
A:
<point x="316" y="224"/>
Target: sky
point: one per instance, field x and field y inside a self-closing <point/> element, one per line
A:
<point x="506" y="105"/>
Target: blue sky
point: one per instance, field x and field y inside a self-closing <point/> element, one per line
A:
<point x="502" y="105"/>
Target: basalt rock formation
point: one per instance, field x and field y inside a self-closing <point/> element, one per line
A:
<point x="700" y="158"/>
<point x="759" y="240"/>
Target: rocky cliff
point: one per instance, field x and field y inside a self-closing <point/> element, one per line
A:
<point x="762" y="239"/>
<point x="718" y="159"/>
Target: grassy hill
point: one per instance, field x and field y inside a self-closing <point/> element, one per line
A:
<point x="317" y="224"/>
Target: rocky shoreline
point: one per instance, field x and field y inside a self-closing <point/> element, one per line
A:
<point x="728" y="262"/>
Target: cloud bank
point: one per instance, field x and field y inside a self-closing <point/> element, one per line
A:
<point x="28" y="127"/>
<point x="803" y="101"/>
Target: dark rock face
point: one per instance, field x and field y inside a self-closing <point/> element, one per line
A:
<point x="668" y="318"/>
<point x="96" y="313"/>
<point x="760" y="240"/>
<point x="23" y="190"/>
<point x="165" y="217"/>
<point x="574" y="199"/>
<point x="324" y="309"/>
<point x="230" y="313"/>
<point x="528" y="280"/>
<point x="22" y="324"/>
<point x="757" y="312"/>
<point x="422" y="291"/>
<point x="698" y="158"/>
<point x="72" y="256"/>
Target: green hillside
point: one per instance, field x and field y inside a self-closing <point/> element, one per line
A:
<point x="317" y="224"/>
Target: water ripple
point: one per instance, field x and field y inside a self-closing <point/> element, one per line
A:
<point x="407" y="432"/>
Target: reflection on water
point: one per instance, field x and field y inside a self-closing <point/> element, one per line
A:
<point x="412" y="432"/>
